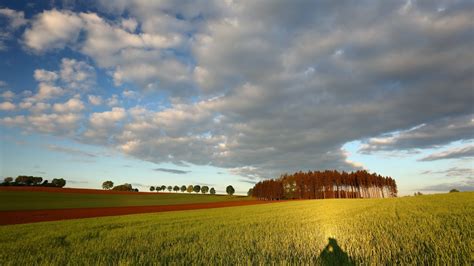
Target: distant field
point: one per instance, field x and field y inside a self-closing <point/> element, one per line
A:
<point x="29" y="200"/>
<point x="425" y="230"/>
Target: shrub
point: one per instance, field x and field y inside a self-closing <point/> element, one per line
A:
<point x="58" y="182"/>
<point x="453" y="190"/>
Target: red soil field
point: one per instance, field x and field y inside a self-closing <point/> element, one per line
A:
<point x="21" y="217"/>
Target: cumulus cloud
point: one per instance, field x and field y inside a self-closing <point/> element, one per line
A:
<point x="7" y="106"/>
<point x="15" y="20"/>
<point x="77" y="75"/>
<point x="71" y="106"/>
<point x="42" y="75"/>
<point x="53" y="29"/>
<point x="94" y="99"/>
<point x="7" y="95"/>
<point x="269" y="87"/>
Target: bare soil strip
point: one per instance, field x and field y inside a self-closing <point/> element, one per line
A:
<point x="21" y="217"/>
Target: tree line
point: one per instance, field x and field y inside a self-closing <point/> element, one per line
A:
<point x="191" y="188"/>
<point x="324" y="185"/>
<point x="37" y="181"/>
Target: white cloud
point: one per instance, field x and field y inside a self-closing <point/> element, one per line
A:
<point x="94" y="99"/>
<point x="71" y="106"/>
<point x="53" y="29"/>
<point x="42" y="75"/>
<point x="17" y="18"/>
<point x="108" y="117"/>
<point x="47" y="91"/>
<point x="78" y="75"/>
<point x="7" y="95"/>
<point x="7" y="106"/>
<point x="113" y="100"/>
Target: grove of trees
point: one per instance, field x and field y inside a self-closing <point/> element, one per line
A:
<point x="24" y="180"/>
<point x="326" y="184"/>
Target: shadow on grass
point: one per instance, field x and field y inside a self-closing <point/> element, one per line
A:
<point x="332" y="254"/>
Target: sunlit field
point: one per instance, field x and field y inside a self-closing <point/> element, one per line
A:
<point x="28" y="200"/>
<point x="425" y="230"/>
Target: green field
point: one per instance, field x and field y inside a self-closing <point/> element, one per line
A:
<point x="25" y="200"/>
<point x="425" y="230"/>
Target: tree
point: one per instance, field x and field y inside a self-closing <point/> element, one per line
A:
<point x="190" y="189"/>
<point x="152" y="188"/>
<point x="8" y="180"/>
<point x="58" y="182"/>
<point x="453" y="190"/>
<point x="108" y="184"/>
<point x="204" y="189"/>
<point x="197" y="188"/>
<point x="212" y="191"/>
<point x="163" y="188"/>
<point x="250" y="192"/>
<point x="230" y="190"/>
<point x="183" y="188"/>
<point x="175" y="188"/>
<point x="170" y="188"/>
<point x="123" y="187"/>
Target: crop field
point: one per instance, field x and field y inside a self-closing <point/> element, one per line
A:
<point x="429" y="230"/>
<point x="31" y="200"/>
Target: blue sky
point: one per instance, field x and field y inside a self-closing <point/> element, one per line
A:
<point x="233" y="92"/>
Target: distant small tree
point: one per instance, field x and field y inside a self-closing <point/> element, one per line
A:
<point x="250" y="192"/>
<point x="36" y="180"/>
<point x="108" y="184"/>
<point x="204" y="189"/>
<point x="58" y="182"/>
<point x="190" y="188"/>
<point x="230" y="190"/>
<point x="418" y="193"/>
<point x="170" y="188"/>
<point x="183" y="188"/>
<point x="8" y="180"/>
<point x="212" y="191"/>
<point x="163" y="188"/>
<point x="136" y="190"/>
<point x="123" y="187"/>
<point x="152" y="188"/>
<point x="453" y="190"/>
<point x="197" y="188"/>
<point x="175" y="188"/>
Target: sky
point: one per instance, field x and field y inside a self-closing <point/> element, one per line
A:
<point x="230" y="92"/>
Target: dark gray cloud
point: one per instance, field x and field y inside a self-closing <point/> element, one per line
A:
<point x="467" y="185"/>
<point x="452" y="172"/>
<point x="70" y="151"/>
<point x="172" y="171"/>
<point x="463" y="152"/>
<point x="427" y="135"/>
<point x="277" y="86"/>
